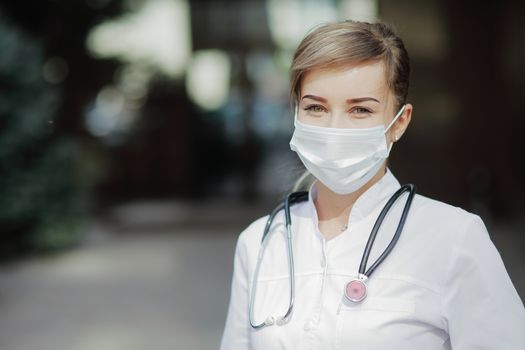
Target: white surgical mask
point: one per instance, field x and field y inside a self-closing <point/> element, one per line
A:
<point x="342" y="159"/>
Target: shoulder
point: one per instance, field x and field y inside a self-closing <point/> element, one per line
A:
<point x="249" y="240"/>
<point x="436" y="207"/>
<point x="423" y="205"/>
<point x="252" y="234"/>
<point x="446" y="218"/>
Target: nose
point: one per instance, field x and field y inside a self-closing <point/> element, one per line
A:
<point x="337" y="119"/>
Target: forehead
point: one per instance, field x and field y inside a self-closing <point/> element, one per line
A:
<point x="348" y="81"/>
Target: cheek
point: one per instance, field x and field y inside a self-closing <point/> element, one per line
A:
<point x="307" y="119"/>
<point x="369" y="122"/>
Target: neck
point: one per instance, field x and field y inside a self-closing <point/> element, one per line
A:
<point x="333" y="209"/>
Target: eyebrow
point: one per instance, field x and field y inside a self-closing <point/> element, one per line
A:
<point x="315" y="98"/>
<point x="349" y="101"/>
<point x="361" y="99"/>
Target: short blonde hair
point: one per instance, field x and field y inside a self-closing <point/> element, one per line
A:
<point x="352" y="42"/>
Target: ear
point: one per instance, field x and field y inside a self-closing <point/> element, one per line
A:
<point x="398" y="129"/>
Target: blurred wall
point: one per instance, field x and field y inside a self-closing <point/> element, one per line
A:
<point x="464" y="144"/>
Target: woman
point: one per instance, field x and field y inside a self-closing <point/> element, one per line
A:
<point x="443" y="286"/>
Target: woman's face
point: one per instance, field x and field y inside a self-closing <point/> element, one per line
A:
<point x="352" y="96"/>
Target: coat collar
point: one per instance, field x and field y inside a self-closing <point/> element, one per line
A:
<point x="366" y="202"/>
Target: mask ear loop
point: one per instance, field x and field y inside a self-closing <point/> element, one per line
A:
<point x="392" y="123"/>
<point x="396" y="117"/>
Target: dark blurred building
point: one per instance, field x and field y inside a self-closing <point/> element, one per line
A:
<point x="464" y="145"/>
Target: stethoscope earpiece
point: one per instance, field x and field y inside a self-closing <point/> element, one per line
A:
<point x="269" y="321"/>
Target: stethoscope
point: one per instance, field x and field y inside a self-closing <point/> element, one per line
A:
<point x="355" y="291"/>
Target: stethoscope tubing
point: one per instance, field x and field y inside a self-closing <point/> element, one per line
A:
<point x="368" y="248"/>
<point x="295" y="197"/>
<point x="290" y="199"/>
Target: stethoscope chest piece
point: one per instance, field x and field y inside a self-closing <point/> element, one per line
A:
<point x="355" y="290"/>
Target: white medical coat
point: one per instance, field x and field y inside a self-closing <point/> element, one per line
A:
<point x="443" y="286"/>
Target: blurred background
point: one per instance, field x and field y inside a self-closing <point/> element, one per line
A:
<point x="139" y="137"/>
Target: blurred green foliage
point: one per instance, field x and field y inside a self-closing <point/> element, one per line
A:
<point x="40" y="198"/>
